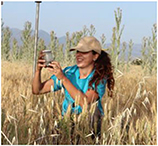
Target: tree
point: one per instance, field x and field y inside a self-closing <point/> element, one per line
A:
<point x="67" y="53"/>
<point x="27" y="48"/>
<point x="129" y="54"/>
<point x="14" y="52"/>
<point x="116" y="38"/>
<point x="53" y="42"/>
<point x="41" y="45"/>
<point x="103" y="39"/>
<point x="2" y="28"/>
<point x="6" y="43"/>
<point x="60" y="54"/>
<point x="92" y="30"/>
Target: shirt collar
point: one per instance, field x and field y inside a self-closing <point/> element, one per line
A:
<point x="88" y="77"/>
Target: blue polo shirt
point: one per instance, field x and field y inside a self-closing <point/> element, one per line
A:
<point x="72" y="73"/>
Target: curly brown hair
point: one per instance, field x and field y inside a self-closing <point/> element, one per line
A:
<point x="103" y="70"/>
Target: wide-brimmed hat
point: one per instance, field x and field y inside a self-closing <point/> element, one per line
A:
<point x="87" y="44"/>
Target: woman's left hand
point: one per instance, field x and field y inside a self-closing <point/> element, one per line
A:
<point x="55" y="68"/>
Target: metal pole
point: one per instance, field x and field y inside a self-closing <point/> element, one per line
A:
<point x="36" y="36"/>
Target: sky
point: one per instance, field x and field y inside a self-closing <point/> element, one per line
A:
<point x="71" y="16"/>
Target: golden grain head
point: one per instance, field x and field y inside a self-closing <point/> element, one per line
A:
<point x="137" y="97"/>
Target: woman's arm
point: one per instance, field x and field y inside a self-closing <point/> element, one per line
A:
<point x="90" y="95"/>
<point x="37" y="86"/>
<point x="40" y="88"/>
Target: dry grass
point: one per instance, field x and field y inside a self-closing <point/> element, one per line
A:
<point x="130" y="117"/>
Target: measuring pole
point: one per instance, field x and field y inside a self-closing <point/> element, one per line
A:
<point x="36" y="35"/>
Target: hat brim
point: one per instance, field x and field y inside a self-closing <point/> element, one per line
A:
<point x="79" y="49"/>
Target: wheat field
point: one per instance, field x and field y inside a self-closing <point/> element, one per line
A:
<point x="130" y="116"/>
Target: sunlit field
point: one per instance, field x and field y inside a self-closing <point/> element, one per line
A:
<point x="130" y="116"/>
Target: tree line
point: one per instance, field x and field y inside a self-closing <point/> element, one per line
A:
<point x="61" y="53"/>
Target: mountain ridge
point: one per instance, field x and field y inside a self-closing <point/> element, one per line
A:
<point x="17" y="33"/>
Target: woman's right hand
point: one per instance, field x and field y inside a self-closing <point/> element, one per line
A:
<point x="41" y="61"/>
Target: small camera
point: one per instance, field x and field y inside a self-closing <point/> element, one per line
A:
<point x="48" y="57"/>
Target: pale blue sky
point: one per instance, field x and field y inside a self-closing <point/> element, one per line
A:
<point x="62" y="17"/>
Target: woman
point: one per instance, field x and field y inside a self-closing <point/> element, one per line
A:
<point x="86" y="80"/>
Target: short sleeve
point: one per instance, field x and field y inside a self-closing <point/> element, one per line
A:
<point x="100" y="88"/>
<point x="57" y="84"/>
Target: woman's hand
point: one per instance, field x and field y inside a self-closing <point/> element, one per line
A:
<point x="41" y="61"/>
<point x="55" y="68"/>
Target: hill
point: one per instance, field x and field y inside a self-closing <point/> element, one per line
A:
<point x="17" y="33"/>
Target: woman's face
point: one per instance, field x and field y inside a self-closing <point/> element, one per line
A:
<point x="85" y="59"/>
